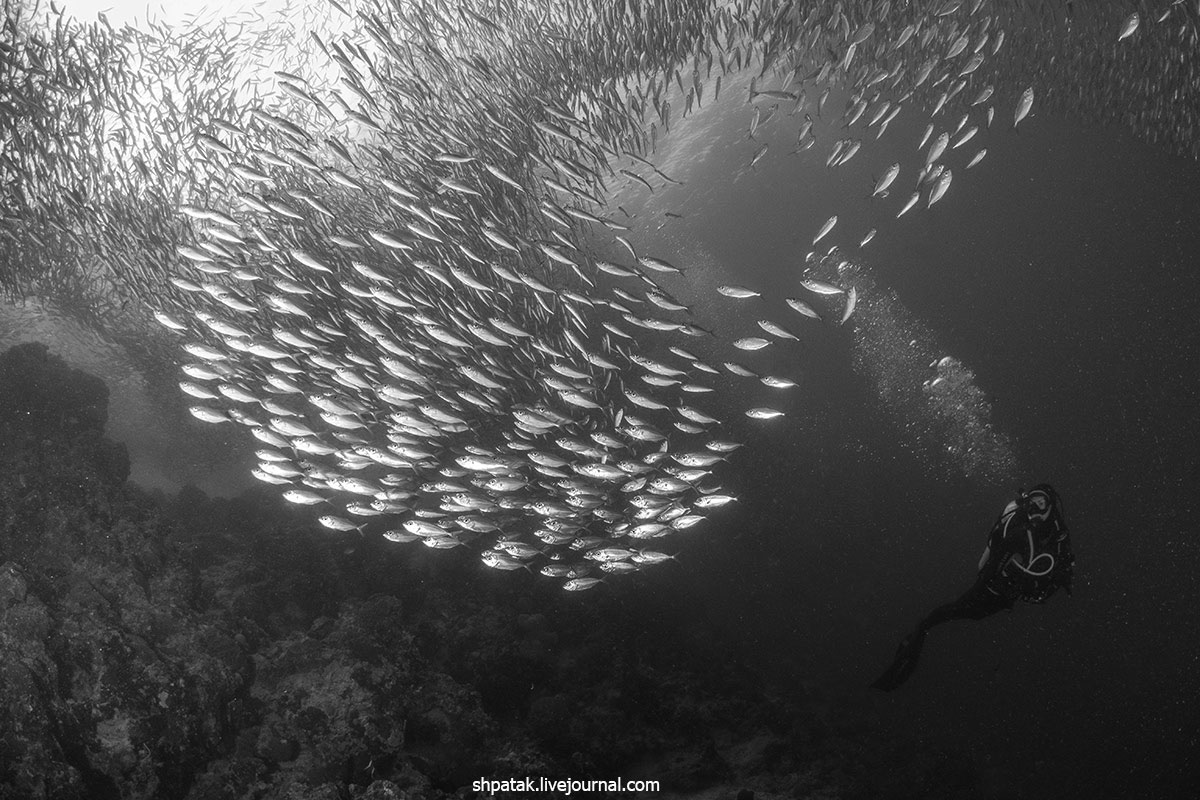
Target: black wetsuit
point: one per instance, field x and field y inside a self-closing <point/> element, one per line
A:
<point x="1028" y="558"/>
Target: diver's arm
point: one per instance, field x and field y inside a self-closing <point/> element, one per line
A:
<point x="983" y="559"/>
<point x="987" y="563"/>
<point x="997" y="553"/>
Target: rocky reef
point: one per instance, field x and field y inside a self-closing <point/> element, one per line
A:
<point x="204" y="648"/>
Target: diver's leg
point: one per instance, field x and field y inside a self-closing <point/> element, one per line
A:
<point x="976" y="603"/>
<point x="904" y="664"/>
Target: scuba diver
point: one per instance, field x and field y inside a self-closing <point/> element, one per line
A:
<point x="1028" y="557"/>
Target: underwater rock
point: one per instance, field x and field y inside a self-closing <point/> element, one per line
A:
<point x="114" y="686"/>
<point x="41" y="394"/>
<point x="32" y="758"/>
<point x="692" y="770"/>
<point x="382" y="790"/>
<point x="12" y="586"/>
<point x="550" y="717"/>
<point x="205" y="648"/>
<point x="225" y="778"/>
<point x="274" y="748"/>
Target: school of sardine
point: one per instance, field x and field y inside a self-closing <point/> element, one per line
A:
<point x="397" y="262"/>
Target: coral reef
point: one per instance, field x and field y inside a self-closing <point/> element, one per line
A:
<point x="204" y="648"/>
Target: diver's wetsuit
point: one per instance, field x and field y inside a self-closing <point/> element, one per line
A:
<point x="1028" y="557"/>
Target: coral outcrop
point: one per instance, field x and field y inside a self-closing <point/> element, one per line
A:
<point x="207" y="648"/>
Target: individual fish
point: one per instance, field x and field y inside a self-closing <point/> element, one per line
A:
<point x="751" y="343"/>
<point x="819" y="287"/>
<point x="825" y="229"/>
<point x="739" y="370"/>
<point x="1023" y="106"/>
<point x="758" y="154"/>
<point x="303" y="497"/>
<point x="937" y="148"/>
<point x="939" y="188"/>
<point x="958" y="46"/>
<point x="851" y="302"/>
<point x="206" y="414"/>
<point x="803" y="308"/>
<point x="718" y="500"/>
<point x="925" y="136"/>
<point x="965" y="137"/>
<point x="849" y="152"/>
<point x="763" y="413"/>
<point x="1129" y="26"/>
<point x="972" y="64"/>
<point x="737" y="292"/>
<point x="984" y="95"/>
<point x="658" y="265"/>
<point x="197" y="391"/>
<point x="777" y="330"/>
<point x="885" y="180"/>
<point x="169" y="322"/>
<point x="581" y="584"/>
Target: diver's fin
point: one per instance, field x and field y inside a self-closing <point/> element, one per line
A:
<point x="904" y="665"/>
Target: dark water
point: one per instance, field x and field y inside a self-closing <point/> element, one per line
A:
<point x="1061" y="270"/>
